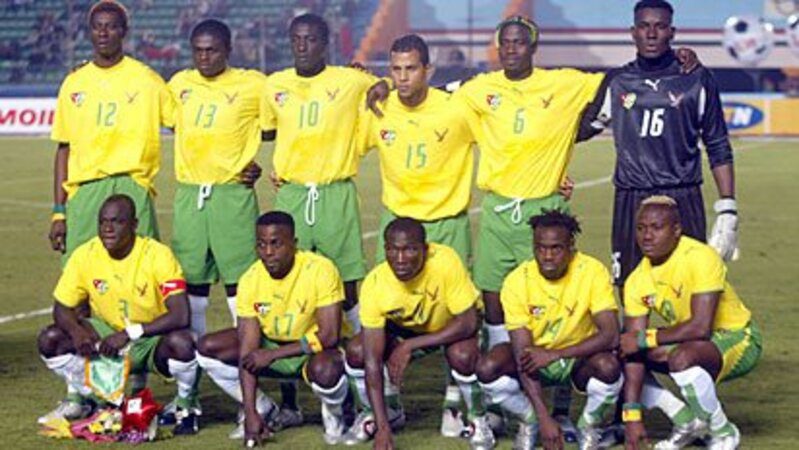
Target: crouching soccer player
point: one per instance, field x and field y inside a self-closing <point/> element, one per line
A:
<point x="136" y="291"/>
<point x="289" y="318"/>
<point x="417" y="301"/>
<point x="710" y="335"/>
<point x="561" y="315"/>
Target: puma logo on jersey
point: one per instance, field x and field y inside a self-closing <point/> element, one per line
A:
<point x="231" y="98"/>
<point x="440" y="136"/>
<point x="131" y="98"/>
<point x="653" y="84"/>
<point x="546" y="101"/>
<point x="675" y="99"/>
<point x="332" y="95"/>
<point x="413" y="122"/>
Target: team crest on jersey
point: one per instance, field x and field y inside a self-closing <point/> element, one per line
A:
<point x="262" y="309"/>
<point x="388" y="136"/>
<point x="628" y="100"/>
<point x="77" y="98"/>
<point x="649" y="300"/>
<point x="281" y="98"/>
<point x="101" y="286"/>
<point x="494" y="100"/>
<point x="675" y="99"/>
<point x="184" y="95"/>
<point x="538" y="311"/>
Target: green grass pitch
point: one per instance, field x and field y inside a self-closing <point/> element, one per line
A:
<point x="763" y="404"/>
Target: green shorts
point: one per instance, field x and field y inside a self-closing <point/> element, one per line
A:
<point x="142" y="352"/>
<point x="214" y="231"/>
<point x="452" y="231"/>
<point x="83" y="209"/>
<point x="558" y="373"/>
<point x="285" y="368"/>
<point x="328" y="223"/>
<point x="505" y="239"/>
<point x="740" y="351"/>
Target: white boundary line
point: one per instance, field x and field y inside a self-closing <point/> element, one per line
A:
<point x="366" y="236"/>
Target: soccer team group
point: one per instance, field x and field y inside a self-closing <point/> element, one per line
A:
<point x="531" y="312"/>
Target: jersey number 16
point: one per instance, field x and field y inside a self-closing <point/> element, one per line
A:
<point x="652" y="123"/>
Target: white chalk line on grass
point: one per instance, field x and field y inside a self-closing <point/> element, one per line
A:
<point x="366" y="236"/>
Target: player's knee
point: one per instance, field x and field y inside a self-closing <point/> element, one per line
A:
<point x="487" y="369"/>
<point x="326" y="368"/>
<point x="681" y="359"/>
<point x="50" y="340"/>
<point x="180" y="345"/>
<point x="355" y="352"/>
<point x="606" y="367"/>
<point x="462" y="357"/>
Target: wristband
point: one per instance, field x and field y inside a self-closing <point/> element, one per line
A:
<point x="631" y="412"/>
<point x="648" y="338"/>
<point x="134" y="331"/>
<point x="58" y="216"/>
<point x="59" y="209"/>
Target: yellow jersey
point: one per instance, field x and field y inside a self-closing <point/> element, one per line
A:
<point x="217" y="124"/>
<point x="693" y="268"/>
<point x="425" y="304"/>
<point x="121" y="292"/>
<point x="111" y="119"/>
<point x="315" y="118"/>
<point x="426" y="157"/>
<point x="286" y="308"/>
<point x="527" y="128"/>
<point x="558" y="313"/>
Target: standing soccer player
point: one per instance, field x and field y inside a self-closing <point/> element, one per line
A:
<point x="217" y="135"/>
<point x="710" y="336"/>
<point x="107" y="126"/>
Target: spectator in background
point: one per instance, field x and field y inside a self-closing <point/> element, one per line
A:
<point x="148" y="48"/>
<point x="454" y="69"/>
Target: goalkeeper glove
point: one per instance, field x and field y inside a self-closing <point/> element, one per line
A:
<point x="724" y="236"/>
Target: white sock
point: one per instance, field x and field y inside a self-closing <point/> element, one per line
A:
<point x="353" y="318"/>
<point x="699" y="391"/>
<point x="497" y="334"/>
<point x="358" y="378"/>
<point x="185" y="373"/>
<point x="72" y="368"/>
<point x="227" y="378"/>
<point x="332" y="396"/>
<point x="506" y="392"/>
<point x="472" y="394"/>
<point x="601" y="397"/>
<point x="198" y="305"/>
<point x="654" y="395"/>
<point x="231" y="306"/>
<point x="452" y="396"/>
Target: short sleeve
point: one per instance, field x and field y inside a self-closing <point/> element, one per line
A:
<point x="266" y="112"/>
<point x="167" y="105"/>
<point x="329" y="288"/>
<point x="245" y="294"/>
<point x="707" y="271"/>
<point x="370" y="314"/>
<point x="71" y="291"/>
<point x="168" y="273"/>
<point x="586" y="84"/>
<point x="363" y="131"/>
<point x="461" y="293"/>
<point x="60" y="131"/>
<point x="634" y="298"/>
<point x="514" y="301"/>
<point x="602" y="298"/>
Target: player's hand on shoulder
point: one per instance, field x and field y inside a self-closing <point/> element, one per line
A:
<point x="378" y="93"/>
<point x="689" y="60"/>
<point x="566" y="188"/>
<point x="58" y="235"/>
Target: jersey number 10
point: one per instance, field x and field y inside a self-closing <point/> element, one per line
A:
<point x="652" y="123"/>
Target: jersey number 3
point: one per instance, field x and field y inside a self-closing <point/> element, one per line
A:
<point x="652" y="123"/>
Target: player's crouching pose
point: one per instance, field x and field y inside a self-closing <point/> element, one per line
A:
<point x="136" y="292"/>
<point x="417" y="301"/>
<point x="289" y="318"/>
<point x="561" y="315"/>
<point x="710" y="335"/>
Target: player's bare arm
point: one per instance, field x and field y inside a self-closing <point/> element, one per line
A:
<point x="551" y="435"/>
<point x="634" y="372"/>
<point x="58" y="226"/>
<point x="250" y="174"/>
<point x="604" y="340"/>
<point x="374" y="340"/>
<point x="255" y="431"/>
<point x="83" y="338"/>
<point x="462" y="326"/>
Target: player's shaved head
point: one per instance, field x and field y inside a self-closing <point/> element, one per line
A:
<point x="126" y="204"/>
<point x="409" y="43"/>
<point x="276" y="218"/>
<point x="116" y="225"/>
<point x="314" y="21"/>
<point x="654" y="4"/>
<point x="412" y="227"/>
<point x="215" y="28"/>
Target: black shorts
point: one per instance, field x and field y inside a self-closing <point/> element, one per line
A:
<point x="625" y="253"/>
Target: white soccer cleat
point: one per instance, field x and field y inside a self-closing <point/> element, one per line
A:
<point x="286" y="418"/>
<point x="364" y="427"/>
<point x="590" y="438"/>
<point x="451" y="423"/>
<point x="333" y="421"/>
<point x="729" y="441"/>
<point x="683" y="436"/>
<point x="480" y="435"/>
<point x="66" y="409"/>
<point x="526" y="437"/>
